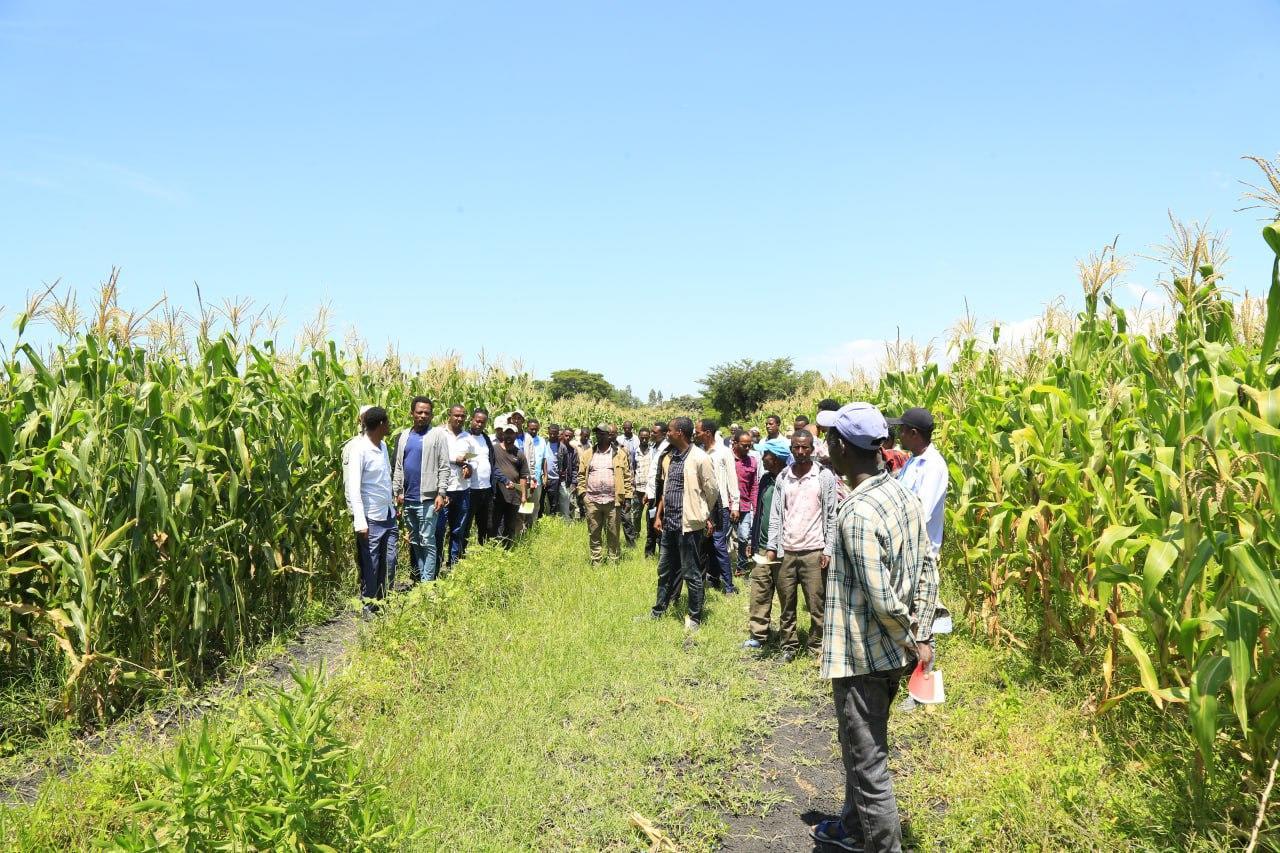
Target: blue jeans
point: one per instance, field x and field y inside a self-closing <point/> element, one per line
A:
<point x="420" y="517"/>
<point x="456" y="520"/>
<point x="743" y="532"/>
<point x="375" y="553"/>
<point x="680" y="560"/>
<point x="720" y="549"/>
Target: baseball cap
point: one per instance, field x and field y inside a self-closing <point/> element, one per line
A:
<point x="860" y="424"/>
<point x="917" y="418"/>
<point x="602" y="427"/>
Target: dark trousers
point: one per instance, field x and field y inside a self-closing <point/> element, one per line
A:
<point x="550" y="499"/>
<point x="627" y="509"/>
<point x="506" y="521"/>
<point x="454" y="525"/>
<point x="870" y="813"/>
<point x="376" y="555"/>
<point x="481" y="510"/>
<point x="719" y="568"/>
<point x="681" y="560"/>
<point x="651" y="536"/>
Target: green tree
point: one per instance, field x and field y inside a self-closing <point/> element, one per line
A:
<point x="737" y="388"/>
<point x="566" y="383"/>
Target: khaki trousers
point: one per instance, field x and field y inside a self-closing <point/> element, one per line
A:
<point x="602" y="520"/>
<point x="761" y="586"/>
<point x="803" y="569"/>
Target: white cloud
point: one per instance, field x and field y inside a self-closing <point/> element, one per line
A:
<point x="842" y="359"/>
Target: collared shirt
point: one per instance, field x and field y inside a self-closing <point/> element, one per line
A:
<point x="673" y="493"/>
<point x="553" y="463"/>
<point x="459" y="445"/>
<point x="642" y="463"/>
<point x="883" y="587"/>
<point x="481" y="466"/>
<point x="366" y="483"/>
<point x="803" y="511"/>
<point x="655" y="457"/>
<point x="413" y="465"/>
<point x="726" y="475"/>
<point x="600" y="476"/>
<point x="927" y="477"/>
<point x="534" y="453"/>
<point x="509" y="468"/>
<point x="760" y="524"/>
<point x="632" y="445"/>
<point x="748" y="471"/>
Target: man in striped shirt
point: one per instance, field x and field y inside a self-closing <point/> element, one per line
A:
<point x="881" y="595"/>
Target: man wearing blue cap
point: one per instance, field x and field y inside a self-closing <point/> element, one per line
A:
<point x="762" y="583"/>
<point x="881" y="596"/>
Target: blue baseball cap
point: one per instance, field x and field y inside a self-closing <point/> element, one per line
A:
<point x="860" y="424"/>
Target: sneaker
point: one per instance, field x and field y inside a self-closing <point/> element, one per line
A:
<point x="690" y="624"/>
<point x="731" y="590"/>
<point x="752" y="643"/>
<point x="788" y="655"/>
<point x="832" y="832"/>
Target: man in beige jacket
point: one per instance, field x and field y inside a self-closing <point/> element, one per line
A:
<point x="604" y="484"/>
<point x="690" y="493"/>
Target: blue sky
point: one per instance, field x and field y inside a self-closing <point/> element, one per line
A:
<point x="639" y="189"/>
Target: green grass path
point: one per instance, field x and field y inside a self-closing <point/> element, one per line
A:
<point x="522" y="705"/>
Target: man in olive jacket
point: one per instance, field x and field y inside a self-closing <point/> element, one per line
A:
<point x="604" y="483"/>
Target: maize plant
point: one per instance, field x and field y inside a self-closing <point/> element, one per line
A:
<point x="165" y="507"/>
<point x="1121" y="486"/>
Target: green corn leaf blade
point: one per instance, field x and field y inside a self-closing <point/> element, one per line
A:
<point x="1210" y="675"/>
<point x="1146" y="672"/>
<point x="1161" y="555"/>
<point x="1241" y="636"/>
<point x="1252" y="573"/>
<point x="1271" y="332"/>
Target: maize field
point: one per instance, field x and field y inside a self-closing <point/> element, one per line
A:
<point x="1115" y="492"/>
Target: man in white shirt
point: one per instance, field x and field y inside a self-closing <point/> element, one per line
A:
<point x="653" y="477"/>
<point x="725" y="515"/>
<point x="481" y="495"/>
<point x="366" y="481"/>
<point x="456" y="519"/>
<point x="926" y="472"/>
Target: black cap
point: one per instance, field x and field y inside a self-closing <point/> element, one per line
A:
<point x="917" y="418"/>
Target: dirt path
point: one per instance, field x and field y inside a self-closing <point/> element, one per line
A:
<point x="800" y="762"/>
<point x="323" y="645"/>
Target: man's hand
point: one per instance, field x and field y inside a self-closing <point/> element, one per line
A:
<point x="711" y="527"/>
<point x="924" y="651"/>
<point x="771" y="555"/>
<point x="466" y="471"/>
<point x="363" y="534"/>
<point x="734" y="515"/>
<point x="751" y="552"/>
<point x="825" y="562"/>
<point x="399" y="500"/>
<point x="440" y="502"/>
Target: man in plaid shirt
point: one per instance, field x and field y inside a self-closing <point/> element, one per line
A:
<point x="880" y="599"/>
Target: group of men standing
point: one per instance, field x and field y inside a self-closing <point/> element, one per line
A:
<point x="834" y="511"/>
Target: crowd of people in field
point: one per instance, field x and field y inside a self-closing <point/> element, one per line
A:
<point x="846" y="509"/>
